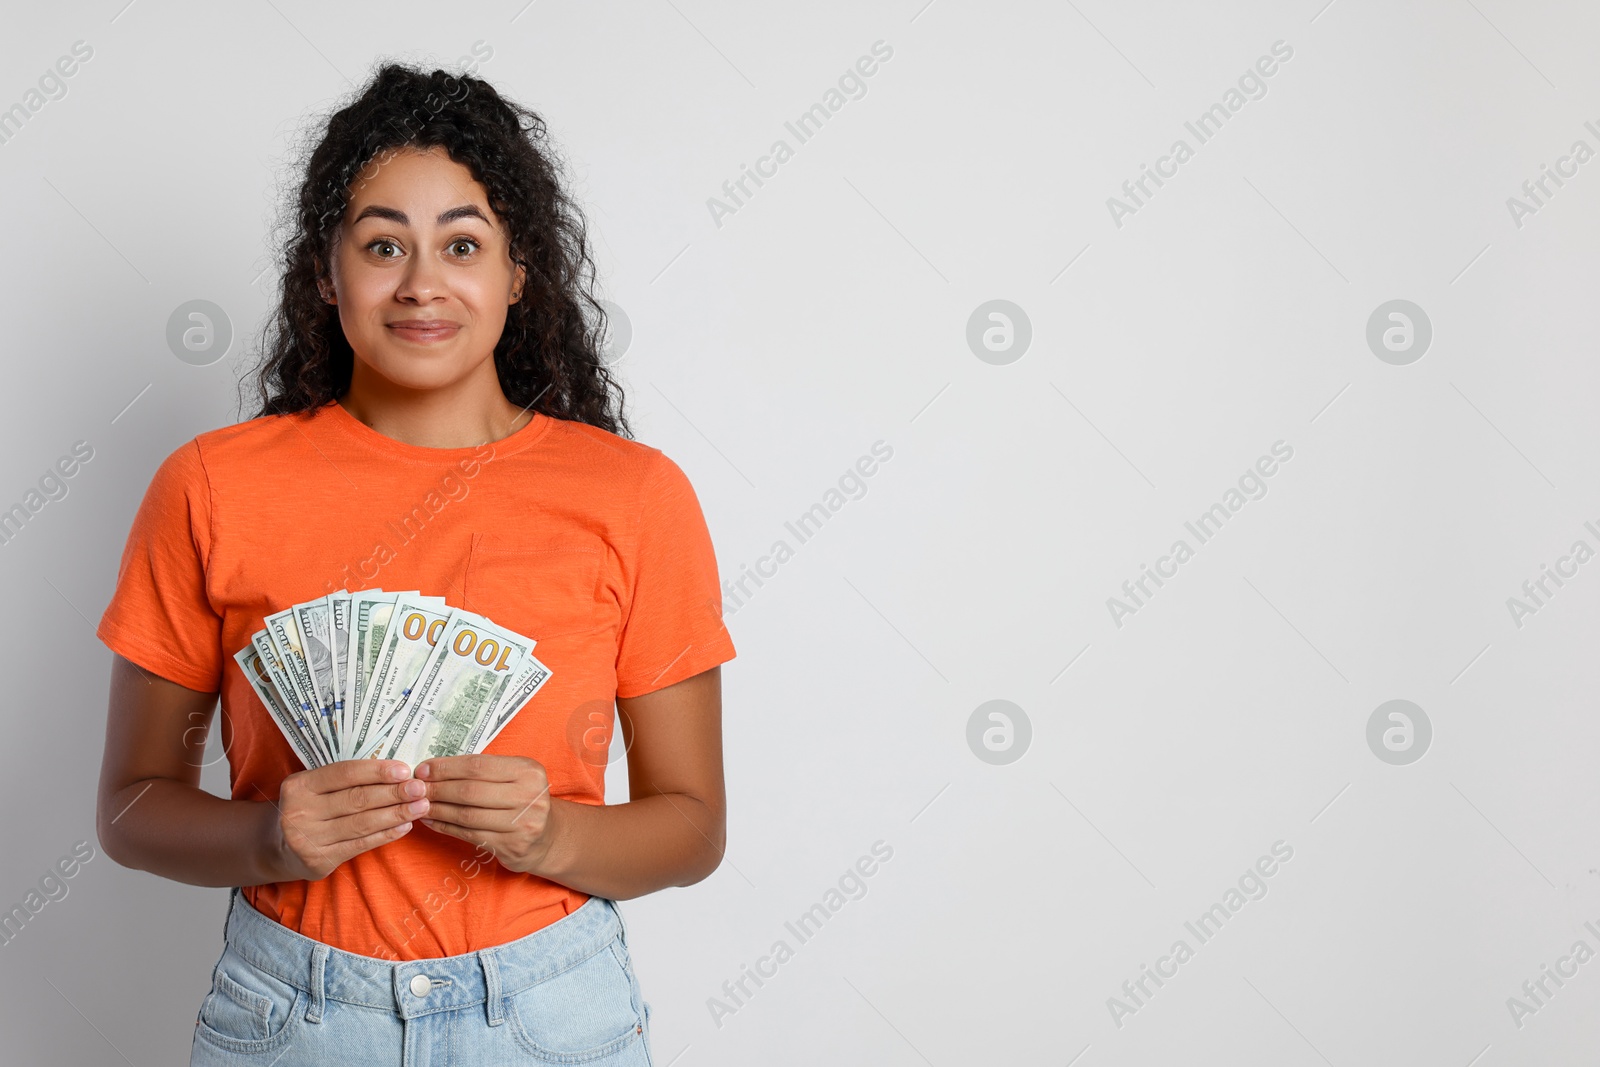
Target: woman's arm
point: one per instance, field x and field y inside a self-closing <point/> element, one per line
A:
<point x="151" y="813"/>
<point x="673" y="829"/>
<point x="671" y="832"/>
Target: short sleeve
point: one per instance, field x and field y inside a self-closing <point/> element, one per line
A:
<point x="160" y="616"/>
<point x="673" y="628"/>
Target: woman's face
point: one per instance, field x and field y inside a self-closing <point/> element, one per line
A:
<point x="422" y="272"/>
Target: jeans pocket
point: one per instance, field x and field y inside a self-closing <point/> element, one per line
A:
<point x="248" y="1010"/>
<point x="584" y="1013"/>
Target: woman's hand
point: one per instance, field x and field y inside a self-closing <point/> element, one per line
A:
<point x="499" y="802"/>
<point x="329" y="814"/>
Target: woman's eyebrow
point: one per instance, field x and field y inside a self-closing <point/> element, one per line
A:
<point x="377" y="211"/>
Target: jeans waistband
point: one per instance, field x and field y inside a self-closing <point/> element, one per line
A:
<point x="421" y="987"/>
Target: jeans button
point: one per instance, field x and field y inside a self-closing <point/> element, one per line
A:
<point x="421" y="984"/>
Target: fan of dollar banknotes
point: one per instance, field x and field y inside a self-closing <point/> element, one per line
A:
<point x="393" y="675"/>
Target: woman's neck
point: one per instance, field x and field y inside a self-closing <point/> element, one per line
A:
<point x="458" y="416"/>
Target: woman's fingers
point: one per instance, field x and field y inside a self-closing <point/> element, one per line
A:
<point x="346" y="850"/>
<point x="497" y="819"/>
<point x="481" y="766"/>
<point x="470" y="836"/>
<point x="478" y="794"/>
<point x="358" y="798"/>
<point x="363" y="824"/>
<point x="344" y="774"/>
<point x="340" y="810"/>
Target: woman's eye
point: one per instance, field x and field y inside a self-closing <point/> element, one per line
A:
<point x="461" y="247"/>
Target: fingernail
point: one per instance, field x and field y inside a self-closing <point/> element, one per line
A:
<point x="403" y="827"/>
<point x="397" y="771"/>
<point x="416" y="807"/>
<point x="413" y="788"/>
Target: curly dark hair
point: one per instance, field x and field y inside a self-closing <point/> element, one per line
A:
<point x="548" y="357"/>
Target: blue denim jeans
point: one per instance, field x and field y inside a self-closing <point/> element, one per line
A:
<point x="564" y="994"/>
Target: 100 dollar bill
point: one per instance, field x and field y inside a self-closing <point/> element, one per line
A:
<point x="472" y="666"/>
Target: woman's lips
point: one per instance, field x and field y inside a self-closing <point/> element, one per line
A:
<point x="425" y="331"/>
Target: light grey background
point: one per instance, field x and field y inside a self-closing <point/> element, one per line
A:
<point x="831" y="311"/>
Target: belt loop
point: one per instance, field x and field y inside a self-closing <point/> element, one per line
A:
<point x="616" y="906"/>
<point x="491" y="980"/>
<point x="319" y="970"/>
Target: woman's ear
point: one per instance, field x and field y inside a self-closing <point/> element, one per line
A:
<point x="516" y="284"/>
<point x="324" y="284"/>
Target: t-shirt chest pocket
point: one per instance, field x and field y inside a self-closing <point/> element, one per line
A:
<point x="539" y="587"/>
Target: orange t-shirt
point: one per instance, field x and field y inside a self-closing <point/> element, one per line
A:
<point x="591" y="544"/>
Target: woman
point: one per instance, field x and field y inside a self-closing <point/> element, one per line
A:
<point x="434" y="417"/>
